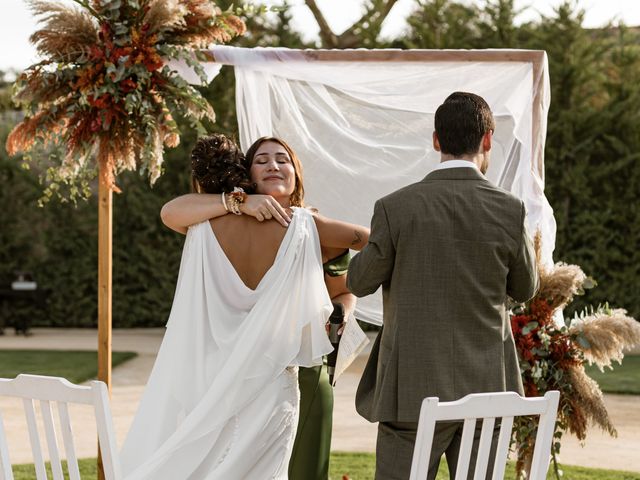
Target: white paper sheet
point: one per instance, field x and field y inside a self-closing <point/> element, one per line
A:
<point x="351" y="344"/>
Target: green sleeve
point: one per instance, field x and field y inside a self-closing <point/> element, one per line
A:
<point x="337" y="266"/>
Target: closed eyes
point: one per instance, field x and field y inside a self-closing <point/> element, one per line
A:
<point x="280" y="158"/>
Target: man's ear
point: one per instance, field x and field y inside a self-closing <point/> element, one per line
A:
<point x="487" y="140"/>
<point x="436" y="142"/>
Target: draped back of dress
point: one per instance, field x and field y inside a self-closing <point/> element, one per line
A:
<point x="225" y="344"/>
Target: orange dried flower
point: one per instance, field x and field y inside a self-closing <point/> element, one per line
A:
<point x="96" y="56"/>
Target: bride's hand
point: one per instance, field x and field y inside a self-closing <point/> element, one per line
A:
<point x="265" y="207"/>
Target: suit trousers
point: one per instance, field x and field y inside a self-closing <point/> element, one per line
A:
<point x="396" y="441"/>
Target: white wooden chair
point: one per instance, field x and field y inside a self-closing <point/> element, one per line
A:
<point x="486" y="406"/>
<point x="50" y="390"/>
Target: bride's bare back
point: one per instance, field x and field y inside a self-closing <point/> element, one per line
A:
<point x="251" y="246"/>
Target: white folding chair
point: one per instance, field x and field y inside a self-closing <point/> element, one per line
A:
<point x="59" y="391"/>
<point x="486" y="406"/>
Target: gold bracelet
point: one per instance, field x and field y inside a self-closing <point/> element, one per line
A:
<point x="224" y="203"/>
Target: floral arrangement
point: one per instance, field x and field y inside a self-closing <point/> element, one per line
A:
<point x="552" y="356"/>
<point x="104" y="96"/>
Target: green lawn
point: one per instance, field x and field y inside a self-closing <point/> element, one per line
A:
<point x="623" y="378"/>
<point x="360" y="466"/>
<point x="88" y="470"/>
<point x="76" y="366"/>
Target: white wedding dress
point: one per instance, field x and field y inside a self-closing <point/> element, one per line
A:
<point x="222" y="399"/>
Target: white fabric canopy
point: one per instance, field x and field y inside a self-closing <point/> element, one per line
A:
<point x="363" y="129"/>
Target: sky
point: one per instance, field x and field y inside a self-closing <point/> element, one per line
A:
<point x="16" y="22"/>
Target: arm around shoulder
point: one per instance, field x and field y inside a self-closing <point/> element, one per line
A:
<point x="522" y="280"/>
<point x="182" y="212"/>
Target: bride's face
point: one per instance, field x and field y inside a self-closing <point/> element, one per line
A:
<point x="272" y="171"/>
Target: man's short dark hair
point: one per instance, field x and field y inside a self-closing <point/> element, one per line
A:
<point x="461" y="122"/>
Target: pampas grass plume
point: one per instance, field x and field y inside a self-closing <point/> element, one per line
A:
<point x="165" y="15"/>
<point x="563" y="282"/>
<point x="608" y="334"/>
<point x="559" y="283"/>
<point x="66" y="33"/>
<point x="588" y="396"/>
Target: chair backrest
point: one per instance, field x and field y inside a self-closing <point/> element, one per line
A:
<point x="486" y="406"/>
<point x="49" y="391"/>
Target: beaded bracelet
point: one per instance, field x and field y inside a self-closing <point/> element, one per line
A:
<point x="236" y="198"/>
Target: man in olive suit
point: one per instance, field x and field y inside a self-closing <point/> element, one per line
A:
<point x="448" y="251"/>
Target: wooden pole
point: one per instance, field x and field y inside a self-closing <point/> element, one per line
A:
<point x="395" y="55"/>
<point x="105" y="248"/>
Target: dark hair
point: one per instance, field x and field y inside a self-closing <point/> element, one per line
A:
<point x="217" y="165"/>
<point x="297" y="197"/>
<point x="461" y="122"/>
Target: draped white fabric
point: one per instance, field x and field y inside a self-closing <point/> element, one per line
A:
<point x="221" y="401"/>
<point x="364" y="129"/>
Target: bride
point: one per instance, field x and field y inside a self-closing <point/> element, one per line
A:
<point x="250" y="307"/>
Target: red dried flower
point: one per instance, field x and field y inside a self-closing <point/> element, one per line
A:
<point x="128" y="85"/>
<point x="518" y="322"/>
<point x="541" y="310"/>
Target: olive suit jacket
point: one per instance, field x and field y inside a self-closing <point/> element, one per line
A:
<point x="447" y="251"/>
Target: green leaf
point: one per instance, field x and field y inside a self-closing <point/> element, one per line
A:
<point x="583" y="342"/>
<point x="529" y="327"/>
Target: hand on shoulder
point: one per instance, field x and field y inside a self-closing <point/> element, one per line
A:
<point x="265" y="207"/>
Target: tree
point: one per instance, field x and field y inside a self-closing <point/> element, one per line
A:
<point x="442" y="24"/>
<point x="593" y="129"/>
<point x="591" y="152"/>
<point x="592" y="167"/>
<point x="361" y="34"/>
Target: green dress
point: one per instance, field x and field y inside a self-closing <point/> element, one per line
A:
<point x="312" y="446"/>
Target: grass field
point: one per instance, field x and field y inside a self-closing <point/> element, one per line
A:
<point x="76" y="366"/>
<point x="360" y="466"/>
<point x="623" y="378"/>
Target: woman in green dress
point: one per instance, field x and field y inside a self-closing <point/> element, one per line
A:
<point x="312" y="447"/>
<point x="310" y="456"/>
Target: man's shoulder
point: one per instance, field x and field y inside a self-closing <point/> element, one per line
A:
<point x="404" y="196"/>
<point x="506" y="197"/>
<point x="401" y="194"/>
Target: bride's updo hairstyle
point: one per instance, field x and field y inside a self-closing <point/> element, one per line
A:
<point x="217" y="165"/>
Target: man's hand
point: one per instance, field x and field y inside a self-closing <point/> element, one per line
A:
<point x="265" y="207"/>
<point x="327" y="327"/>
